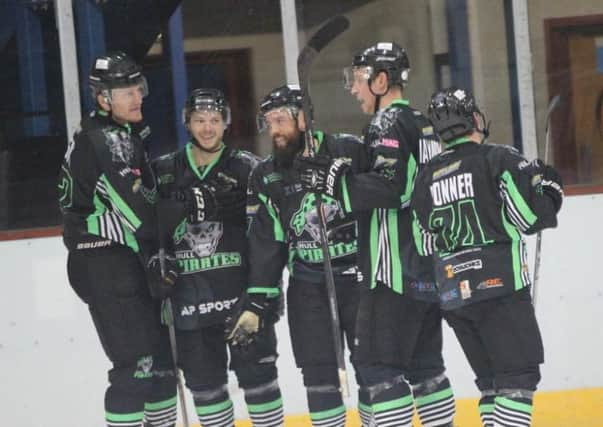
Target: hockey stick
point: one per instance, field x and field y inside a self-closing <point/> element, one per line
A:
<point x="323" y="36"/>
<point x="167" y="314"/>
<point x="554" y="103"/>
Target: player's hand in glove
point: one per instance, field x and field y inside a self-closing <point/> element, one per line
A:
<point x="249" y="315"/>
<point x="215" y="201"/>
<point x="162" y="285"/>
<point x="552" y="185"/>
<point x="321" y="174"/>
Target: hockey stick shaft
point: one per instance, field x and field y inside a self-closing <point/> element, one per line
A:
<point x="168" y="318"/>
<point x="554" y="103"/>
<point x="323" y="36"/>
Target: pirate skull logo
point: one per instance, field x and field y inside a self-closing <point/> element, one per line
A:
<point x="120" y="145"/>
<point x="203" y="238"/>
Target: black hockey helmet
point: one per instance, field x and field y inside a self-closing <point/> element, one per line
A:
<point x="383" y="56"/>
<point x="203" y="99"/>
<point x="288" y="96"/>
<point x="451" y="112"/>
<point x="115" y="70"/>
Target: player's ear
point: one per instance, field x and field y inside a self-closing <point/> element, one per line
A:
<point x="301" y="121"/>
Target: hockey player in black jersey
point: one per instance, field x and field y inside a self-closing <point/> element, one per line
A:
<point x="471" y="205"/>
<point x="203" y="192"/>
<point x="107" y="197"/>
<point x="283" y="231"/>
<point x="399" y="334"/>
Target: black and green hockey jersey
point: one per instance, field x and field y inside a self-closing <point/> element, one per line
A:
<point x="398" y="141"/>
<point x="471" y="205"/>
<point x="284" y="226"/>
<point x="211" y="255"/>
<point x="106" y="188"/>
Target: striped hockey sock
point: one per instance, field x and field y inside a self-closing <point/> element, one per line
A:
<point x="393" y="406"/>
<point x="133" y="419"/>
<point x="325" y="405"/>
<point x="214" y="407"/>
<point x="364" y="407"/>
<point x="265" y="405"/>
<point x="434" y="402"/>
<point x="486" y="408"/>
<point x="160" y="414"/>
<point x="512" y="411"/>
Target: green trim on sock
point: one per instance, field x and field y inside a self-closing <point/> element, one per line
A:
<point x="486" y="408"/>
<point x="265" y="407"/>
<point x="433" y="397"/>
<point x="317" y="416"/>
<point x="364" y="407"/>
<point x="512" y="404"/>
<point x="215" y="408"/>
<point x="117" y="418"/>
<point x="155" y="406"/>
<point x="392" y="404"/>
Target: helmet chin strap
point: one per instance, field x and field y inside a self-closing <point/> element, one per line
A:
<point x="377" y="96"/>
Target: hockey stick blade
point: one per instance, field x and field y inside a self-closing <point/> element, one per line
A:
<point x="328" y="32"/>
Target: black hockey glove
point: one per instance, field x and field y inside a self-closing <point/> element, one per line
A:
<point x="162" y="286"/>
<point x="322" y="174"/>
<point x="552" y="185"/>
<point x="250" y="314"/>
<point x="214" y="202"/>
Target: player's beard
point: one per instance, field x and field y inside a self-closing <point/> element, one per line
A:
<point x="284" y="156"/>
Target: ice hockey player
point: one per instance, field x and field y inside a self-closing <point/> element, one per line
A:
<point x="399" y="335"/>
<point x="107" y="197"/>
<point x="203" y="200"/>
<point x="471" y="205"/>
<point x="284" y="230"/>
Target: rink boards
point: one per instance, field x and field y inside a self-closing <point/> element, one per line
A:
<point x="52" y="367"/>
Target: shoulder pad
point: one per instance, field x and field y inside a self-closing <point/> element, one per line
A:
<point x="248" y="158"/>
<point x="347" y="137"/>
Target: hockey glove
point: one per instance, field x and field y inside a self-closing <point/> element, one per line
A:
<point x="322" y="174"/>
<point x="250" y="314"/>
<point x="162" y="286"/>
<point x="552" y="185"/>
<point x="212" y="202"/>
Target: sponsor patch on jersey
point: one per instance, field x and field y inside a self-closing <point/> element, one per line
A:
<point x="427" y="131"/>
<point x="449" y="295"/>
<point x="389" y="142"/>
<point x="252" y="209"/>
<point x="465" y="289"/>
<point x="495" y="282"/>
<point x="451" y="270"/>
<point x="453" y="167"/>
<point x="208" y="307"/>
<point x="423" y="286"/>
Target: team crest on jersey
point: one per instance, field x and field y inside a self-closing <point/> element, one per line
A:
<point x="382" y="123"/>
<point x="119" y="144"/>
<point x="202" y="238"/>
<point x="306" y="217"/>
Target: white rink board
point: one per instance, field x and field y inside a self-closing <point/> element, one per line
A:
<point x="53" y="370"/>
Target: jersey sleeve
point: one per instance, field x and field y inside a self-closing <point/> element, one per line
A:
<point x="528" y="205"/>
<point x="266" y="239"/>
<point x="420" y="205"/>
<point x="126" y="183"/>
<point x="388" y="179"/>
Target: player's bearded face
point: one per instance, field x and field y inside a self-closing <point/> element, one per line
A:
<point x="286" y="137"/>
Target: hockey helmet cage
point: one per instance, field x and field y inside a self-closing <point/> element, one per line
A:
<point x="288" y="96"/>
<point x="115" y="70"/>
<point x="451" y="113"/>
<point x="383" y="56"/>
<point x="203" y="99"/>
